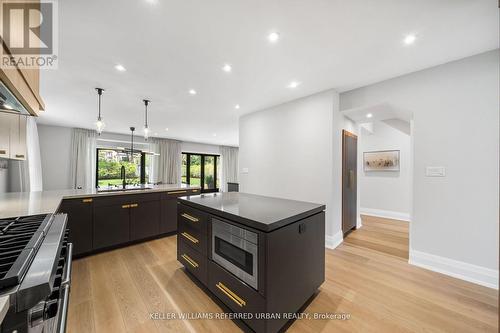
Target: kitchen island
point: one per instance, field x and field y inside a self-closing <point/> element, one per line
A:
<point x="263" y="258"/>
<point x="102" y="220"/>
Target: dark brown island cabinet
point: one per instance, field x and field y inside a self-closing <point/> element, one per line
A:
<point x="263" y="258"/>
<point x="100" y="222"/>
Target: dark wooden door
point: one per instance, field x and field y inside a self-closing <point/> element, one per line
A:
<point x="80" y="213"/>
<point x="144" y="219"/>
<point x="349" y="180"/>
<point x="111" y="225"/>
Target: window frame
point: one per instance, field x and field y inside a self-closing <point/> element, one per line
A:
<point x="202" y="170"/>
<point x="142" y="175"/>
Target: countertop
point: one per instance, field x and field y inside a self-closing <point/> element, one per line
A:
<point x="31" y="203"/>
<point x="256" y="211"/>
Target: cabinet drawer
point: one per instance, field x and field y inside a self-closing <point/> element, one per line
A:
<point x="192" y="260"/>
<point x="192" y="218"/>
<point x="236" y="295"/>
<point x="193" y="237"/>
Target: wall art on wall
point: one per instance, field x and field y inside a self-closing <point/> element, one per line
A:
<point x="382" y="160"/>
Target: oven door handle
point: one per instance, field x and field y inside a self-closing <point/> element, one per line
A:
<point x="63" y="314"/>
<point x="69" y="263"/>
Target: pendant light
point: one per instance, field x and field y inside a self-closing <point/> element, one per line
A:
<point x="99" y="123"/>
<point x="146" y="129"/>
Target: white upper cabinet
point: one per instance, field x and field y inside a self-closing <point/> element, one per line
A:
<point x="4" y="135"/>
<point x="12" y="136"/>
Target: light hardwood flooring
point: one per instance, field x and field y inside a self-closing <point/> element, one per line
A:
<point x="367" y="276"/>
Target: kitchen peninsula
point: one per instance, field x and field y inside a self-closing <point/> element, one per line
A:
<point x="261" y="257"/>
<point x="101" y="220"/>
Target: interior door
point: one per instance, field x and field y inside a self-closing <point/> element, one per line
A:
<point x="349" y="180"/>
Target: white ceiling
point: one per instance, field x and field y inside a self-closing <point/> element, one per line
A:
<point x="169" y="47"/>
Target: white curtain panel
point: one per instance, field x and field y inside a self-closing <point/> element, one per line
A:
<point x="26" y="176"/>
<point x="83" y="158"/>
<point x="167" y="165"/>
<point x="33" y="156"/>
<point x="229" y="166"/>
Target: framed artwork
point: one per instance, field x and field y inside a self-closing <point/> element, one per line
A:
<point x="382" y="160"/>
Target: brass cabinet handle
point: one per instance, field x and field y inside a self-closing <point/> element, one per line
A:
<point x="125" y="206"/>
<point x="195" y="190"/>
<point x="19" y="156"/>
<point x="229" y="293"/>
<point x="3" y="151"/>
<point x="87" y="200"/>
<point x="189" y="237"/>
<point x="190" y="260"/>
<point x="134" y="205"/>
<point x="177" y="192"/>
<point x="189" y="217"/>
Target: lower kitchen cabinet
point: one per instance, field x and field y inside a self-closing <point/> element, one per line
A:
<point x="144" y="219"/>
<point x="80" y="216"/>
<point x="111" y="225"/>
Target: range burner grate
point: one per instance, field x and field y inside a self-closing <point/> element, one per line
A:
<point x="19" y="240"/>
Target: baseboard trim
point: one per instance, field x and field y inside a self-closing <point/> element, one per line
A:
<point x="476" y="274"/>
<point x="332" y="242"/>
<point x="388" y="214"/>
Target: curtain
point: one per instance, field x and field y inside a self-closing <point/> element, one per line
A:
<point x="229" y="166"/>
<point x="167" y="165"/>
<point x="26" y="176"/>
<point x="83" y="158"/>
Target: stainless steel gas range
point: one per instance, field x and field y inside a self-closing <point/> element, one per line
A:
<point x="35" y="273"/>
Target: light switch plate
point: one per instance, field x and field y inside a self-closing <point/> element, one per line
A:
<point x="435" y="171"/>
<point x="244" y="170"/>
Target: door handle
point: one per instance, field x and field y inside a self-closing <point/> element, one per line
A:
<point x="3" y="151"/>
<point x="189" y="237"/>
<point x="189" y="217"/>
<point x="189" y="260"/>
<point x="229" y="293"/>
<point x="19" y="156"/>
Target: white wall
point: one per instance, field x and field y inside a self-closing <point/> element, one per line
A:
<point x="55" y="144"/>
<point x="386" y="193"/>
<point x="194" y="147"/>
<point x="455" y="124"/>
<point x="4" y="175"/>
<point x="289" y="152"/>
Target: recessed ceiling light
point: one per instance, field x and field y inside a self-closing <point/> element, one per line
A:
<point x="273" y="37"/>
<point x="166" y="129"/>
<point x="153" y="2"/>
<point x="237" y="106"/>
<point x="215" y="134"/>
<point x="409" y="39"/>
<point x="369" y="115"/>
<point x="156" y="134"/>
<point x="8" y="106"/>
<point x="192" y="91"/>
<point x="227" y="68"/>
<point x="120" y="68"/>
<point x="293" y="84"/>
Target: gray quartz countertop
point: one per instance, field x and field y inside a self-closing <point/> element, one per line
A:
<point x="256" y="211"/>
<point x="31" y="203"/>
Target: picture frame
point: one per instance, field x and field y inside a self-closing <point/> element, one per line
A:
<point x="381" y="160"/>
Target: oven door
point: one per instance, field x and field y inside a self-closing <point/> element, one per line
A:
<point x="233" y="250"/>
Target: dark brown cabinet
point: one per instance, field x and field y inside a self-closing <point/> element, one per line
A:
<point x="102" y="222"/>
<point x="111" y="225"/>
<point x="144" y="219"/>
<point x="80" y="216"/>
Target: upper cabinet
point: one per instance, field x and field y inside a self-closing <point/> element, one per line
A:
<point x="12" y="136"/>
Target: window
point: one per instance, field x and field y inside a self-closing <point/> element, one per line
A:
<point x="201" y="170"/>
<point x="110" y="161"/>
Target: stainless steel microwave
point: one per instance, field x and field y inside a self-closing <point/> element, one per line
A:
<point x="236" y="249"/>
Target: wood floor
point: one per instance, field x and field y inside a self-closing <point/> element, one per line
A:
<point x="367" y="277"/>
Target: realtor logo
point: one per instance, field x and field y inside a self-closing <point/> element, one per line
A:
<point x="29" y="34"/>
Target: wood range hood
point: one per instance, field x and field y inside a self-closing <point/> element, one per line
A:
<point x="23" y="83"/>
